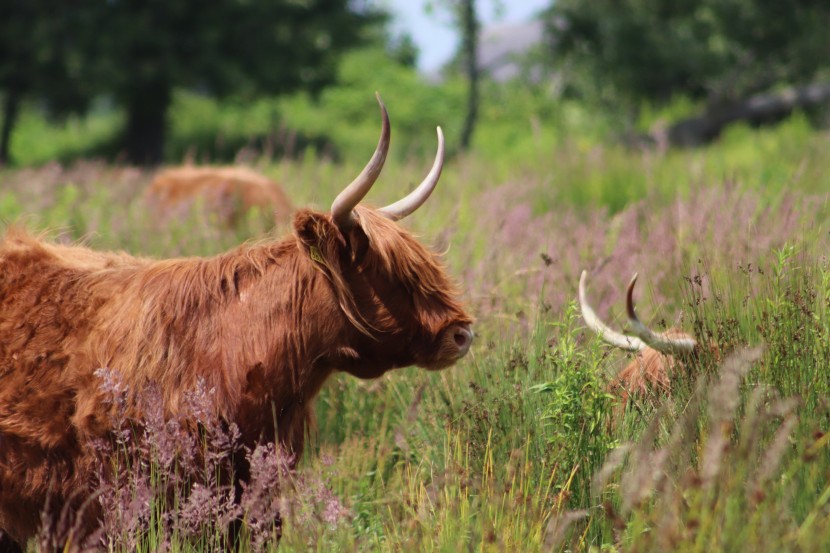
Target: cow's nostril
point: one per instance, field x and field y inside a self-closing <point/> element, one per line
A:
<point x="463" y="338"/>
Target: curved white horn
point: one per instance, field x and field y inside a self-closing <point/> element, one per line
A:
<point x="345" y="202"/>
<point x="627" y="343"/>
<point x="661" y="342"/>
<point x="417" y="197"/>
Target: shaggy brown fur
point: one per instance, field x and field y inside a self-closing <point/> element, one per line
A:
<point x="652" y="372"/>
<point x="227" y="192"/>
<point x="649" y="372"/>
<point x="264" y="325"/>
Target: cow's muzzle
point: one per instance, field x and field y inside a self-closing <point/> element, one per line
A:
<point x="462" y="337"/>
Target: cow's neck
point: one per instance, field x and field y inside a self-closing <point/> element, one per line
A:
<point x="284" y="365"/>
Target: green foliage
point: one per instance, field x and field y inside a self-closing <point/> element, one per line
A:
<point x="138" y="53"/>
<point x="42" y="45"/>
<point x="10" y="208"/>
<point x="578" y="411"/>
<point x="341" y="122"/>
<point x="720" y="50"/>
<point x="42" y="49"/>
<point x="275" y="46"/>
<point x="502" y="452"/>
<point x="794" y="324"/>
<point x="38" y="140"/>
<point x="347" y="115"/>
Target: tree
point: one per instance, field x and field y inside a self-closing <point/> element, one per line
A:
<point x="469" y="46"/>
<point x="223" y="47"/>
<point x="716" y="50"/>
<point x="465" y="19"/>
<point x="139" y="51"/>
<point x="40" y="45"/>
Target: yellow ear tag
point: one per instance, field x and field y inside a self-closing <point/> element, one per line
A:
<point x="315" y="255"/>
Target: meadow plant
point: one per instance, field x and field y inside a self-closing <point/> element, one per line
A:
<point x="522" y="446"/>
<point x="673" y="493"/>
<point x="528" y="253"/>
<point x="167" y="483"/>
<point x="579" y="406"/>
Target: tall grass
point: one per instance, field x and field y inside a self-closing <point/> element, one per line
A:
<point x="521" y="446"/>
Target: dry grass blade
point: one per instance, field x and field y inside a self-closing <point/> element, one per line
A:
<point x="723" y="401"/>
<point x="614" y="461"/>
<point x="557" y="529"/>
<point x="644" y="468"/>
<point x="411" y="415"/>
<point x="777" y="448"/>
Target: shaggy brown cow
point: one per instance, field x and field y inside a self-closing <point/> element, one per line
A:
<point x="657" y="354"/>
<point x="227" y="192"/>
<point x="264" y="325"/>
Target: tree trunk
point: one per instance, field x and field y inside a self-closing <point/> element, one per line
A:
<point x="758" y="109"/>
<point x="147" y="122"/>
<point x="469" y="26"/>
<point x="11" y="108"/>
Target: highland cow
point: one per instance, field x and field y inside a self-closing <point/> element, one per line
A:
<point x="657" y="355"/>
<point x="228" y="193"/>
<point x="263" y="325"/>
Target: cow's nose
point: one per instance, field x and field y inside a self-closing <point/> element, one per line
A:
<point x="462" y="335"/>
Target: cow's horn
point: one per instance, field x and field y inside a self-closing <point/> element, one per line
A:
<point x="417" y="197"/>
<point x="660" y="342"/>
<point x="345" y="202"/>
<point x="627" y="343"/>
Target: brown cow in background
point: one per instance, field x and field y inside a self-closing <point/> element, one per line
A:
<point x="657" y="355"/>
<point x="264" y="325"/>
<point x="227" y="192"/>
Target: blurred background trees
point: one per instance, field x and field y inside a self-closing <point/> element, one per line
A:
<point x="718" y="52"/>
<point x="221" y="47"/>
<point x="465" y="19"/>
<point x="42" y="57"/>
<point x="138" y="52"/>
<point x="147" y="81"/>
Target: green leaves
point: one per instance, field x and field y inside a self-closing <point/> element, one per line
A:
<point x="138" y="52"/>
<point x="717" y="50"/>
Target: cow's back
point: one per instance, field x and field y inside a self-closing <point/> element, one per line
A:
<point x="226" y="191"/>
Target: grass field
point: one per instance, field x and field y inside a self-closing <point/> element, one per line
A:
<point x="521" y="447"/>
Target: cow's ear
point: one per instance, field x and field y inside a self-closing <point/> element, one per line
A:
<point x="319" y="237"/>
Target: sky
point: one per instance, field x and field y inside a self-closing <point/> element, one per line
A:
<point x="435" y="37"/>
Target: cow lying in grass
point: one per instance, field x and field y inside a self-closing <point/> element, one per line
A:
<point x="657" y="355"/>
<point x="262" y="326"/>
<point x="228" y="193"/>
